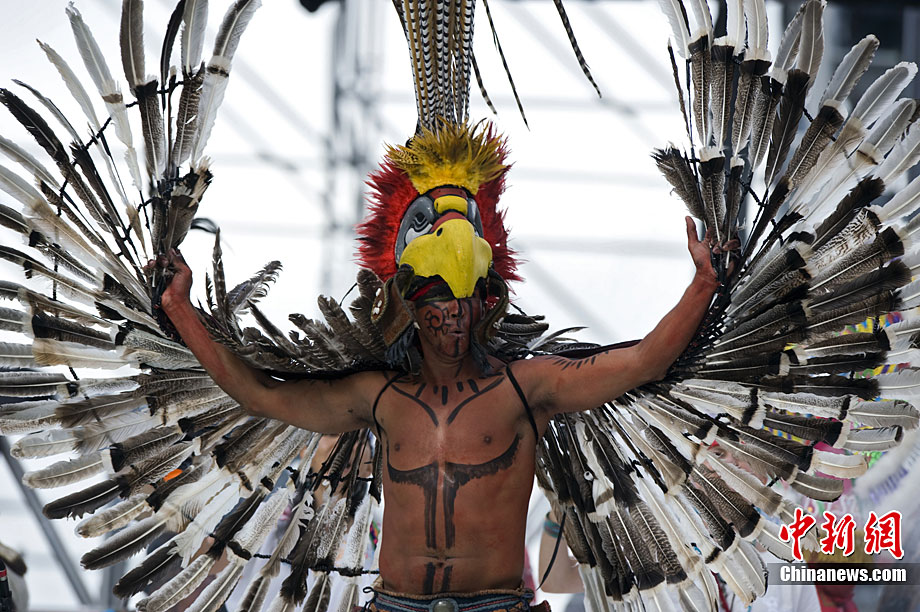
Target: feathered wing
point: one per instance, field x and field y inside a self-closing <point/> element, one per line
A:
<point x="670" y="481"/>
<point x="157" y="452"/>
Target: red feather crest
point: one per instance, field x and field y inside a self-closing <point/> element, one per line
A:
<point x="392" y="192"/>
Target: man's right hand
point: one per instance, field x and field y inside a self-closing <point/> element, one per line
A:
<point x="177" y="276"/>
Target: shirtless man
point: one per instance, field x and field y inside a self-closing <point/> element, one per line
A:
<point x="460" y="443"/>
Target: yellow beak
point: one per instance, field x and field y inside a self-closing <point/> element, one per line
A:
<point x="454" y="252"/>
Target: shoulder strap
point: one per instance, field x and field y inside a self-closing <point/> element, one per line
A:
<point x="552" y="560"/>
<point x="386" y="386"/>
<point x="520" y="392"/>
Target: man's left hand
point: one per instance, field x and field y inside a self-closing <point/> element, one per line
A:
<point x="701" y="251"/>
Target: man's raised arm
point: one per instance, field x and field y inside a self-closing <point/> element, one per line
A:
<point x="559" y="384"/>
<point x="324" y="406"/>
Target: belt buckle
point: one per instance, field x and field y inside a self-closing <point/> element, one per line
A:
<point x="444" y="604"/>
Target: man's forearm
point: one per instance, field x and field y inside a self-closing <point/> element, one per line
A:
<point x="229" y="372"/>
<point x="670" y="337"/>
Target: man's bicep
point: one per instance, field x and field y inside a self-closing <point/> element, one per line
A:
<point x="325" y="406"/>
<point x="564" y="384"/>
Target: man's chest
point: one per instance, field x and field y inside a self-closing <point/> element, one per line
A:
<point x="469" y="421"/>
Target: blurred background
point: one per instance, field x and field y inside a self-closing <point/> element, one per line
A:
<point x="318" y="87"/>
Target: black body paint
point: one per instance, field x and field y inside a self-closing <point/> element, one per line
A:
<point x="576" y="363"/>
<point x="476" y="393"/>
<point x="445" y="583"/>
<point x="436" y="324"/>
<point x="426" y="478"/>
<point x="431" y="571"/>
<point x="425" y="407"/>
<point x="458" y="474"/>
<point x="428" y="585"/>
<point x="455" y="476"/>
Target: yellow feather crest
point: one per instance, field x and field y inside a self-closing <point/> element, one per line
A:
<point x="462" y="155"/>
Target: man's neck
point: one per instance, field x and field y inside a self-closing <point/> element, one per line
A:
<point x="438" y="369"/>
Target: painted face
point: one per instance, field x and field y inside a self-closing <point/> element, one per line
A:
<point x="446" y="325"/>
<point x="728" y="457"/>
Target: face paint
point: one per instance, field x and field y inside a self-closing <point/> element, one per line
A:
<point x="445" y="326"/>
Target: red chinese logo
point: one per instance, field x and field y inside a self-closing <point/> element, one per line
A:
<point x="796" y="530"/>
<point x="839" y="534"/>
<point x="884" y="533"/>
<point x="881" y="533"/>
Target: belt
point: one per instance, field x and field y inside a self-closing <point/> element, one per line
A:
<point x="510" y="602"/>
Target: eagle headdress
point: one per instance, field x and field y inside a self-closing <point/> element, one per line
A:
<point x="433" y="212"/>
<point x="434" y="217"/>
<point x="404" y="202"/>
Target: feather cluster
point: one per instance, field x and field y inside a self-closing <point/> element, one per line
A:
<point x="667" y="484"/>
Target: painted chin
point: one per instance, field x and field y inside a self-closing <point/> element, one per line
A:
<point x="455" y="344"/>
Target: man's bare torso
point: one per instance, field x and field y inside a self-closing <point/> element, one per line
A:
<point x="458" y="473"/>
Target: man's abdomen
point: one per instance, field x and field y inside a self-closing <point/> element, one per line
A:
<point x="453" y="526"/>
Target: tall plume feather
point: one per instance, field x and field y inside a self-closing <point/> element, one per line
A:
<point x="252" y="290"/>
<point x="679" y="173"/>
<point x="162" y="562"/>
<point x="725" y="51"/>
<point x="902" y="157"/>
<point x="101" y="76"/>
<point x="799" y="81"/>
<point x="674" y="11"/>
<point x="114" y="517"/>
<point x="850" y="69"/>
<point x="501" y="55"/>
<point x="73" y="85"/>
<point x="218" y="70"/>
<point x="195" y="20"/>
<point x="152" y="123"/>
<point x="831" y="114"/>
<point x="571" y="36"/>
<point x="883" y="92"/>
<point x="132" y="41"/>
<point x="771" y="89"/>
<point x="125" y="543"/>
<point x="64" y="472"/>
<point x="753" y="67"/>
<point x="701" y="75"/>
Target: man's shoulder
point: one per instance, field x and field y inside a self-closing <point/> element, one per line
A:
<point x="365" y="383"/>
<point x="375" y="378"/>
<point x="535" y="365"/>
